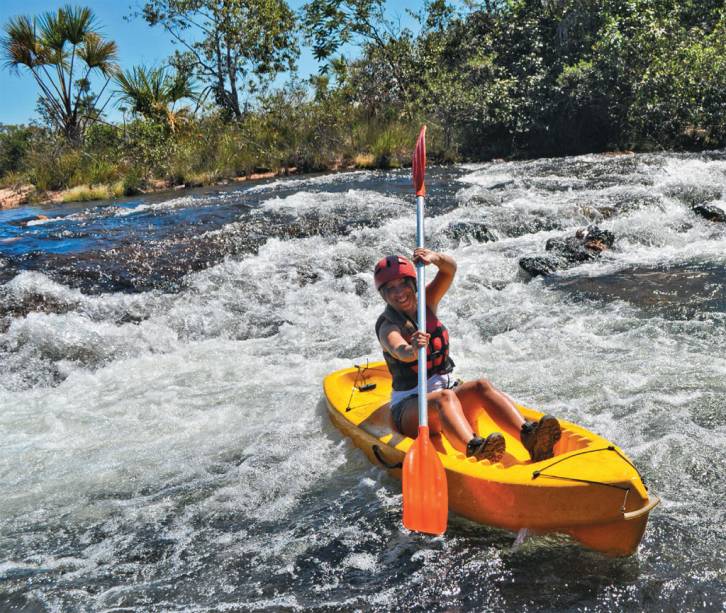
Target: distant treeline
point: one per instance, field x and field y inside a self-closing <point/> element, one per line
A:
<point x="505" y="78"/>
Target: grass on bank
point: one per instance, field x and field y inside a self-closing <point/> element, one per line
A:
<point x="86" y="193"/>
<point x="117" y="161"/>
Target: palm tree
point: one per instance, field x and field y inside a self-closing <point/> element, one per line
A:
<point x="153" y="93"/>
<point x="61" y="49"/>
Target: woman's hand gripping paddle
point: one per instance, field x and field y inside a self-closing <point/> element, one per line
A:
<point x="425" y="497"/>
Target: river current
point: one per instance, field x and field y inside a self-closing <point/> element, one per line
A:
<point x="164" y="445"/>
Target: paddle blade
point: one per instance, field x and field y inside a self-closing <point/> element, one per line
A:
<point x="419" y="163"/>
<point x="425" y="498"/>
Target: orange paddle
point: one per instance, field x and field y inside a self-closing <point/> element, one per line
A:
<point x="425" y="497"/>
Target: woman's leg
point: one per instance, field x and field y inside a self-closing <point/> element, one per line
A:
<point x="480" y="393"/>
<point x="538" y="438"/>
<point x="445" y="415"/>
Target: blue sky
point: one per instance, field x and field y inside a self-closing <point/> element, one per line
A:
<point x="137" y="44"/>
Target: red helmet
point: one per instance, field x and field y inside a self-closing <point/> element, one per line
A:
<point x="393" y="267"/>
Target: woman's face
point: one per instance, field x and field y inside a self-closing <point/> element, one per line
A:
<point x="400" y="294"/>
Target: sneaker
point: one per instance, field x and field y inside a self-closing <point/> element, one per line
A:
<point x="490" y="448"/>
<point x="539" y="438"/>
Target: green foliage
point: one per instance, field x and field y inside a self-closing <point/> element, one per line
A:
<point x="331" y="24"/>
<point x="132" y="182"/>
<point x="61" y="49"/>
<point x="392" y="146"/>
<point x="230" y="46"/>
<point x="14" y="144"/>
<point x="150" y="147"/>
<point x="153" y="93"/>
<point x="567" y="76"/>
<point x="52" y="164"/>
<point x="680" y="99"/>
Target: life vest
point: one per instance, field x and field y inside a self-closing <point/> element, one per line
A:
<point x="405" y="374"/>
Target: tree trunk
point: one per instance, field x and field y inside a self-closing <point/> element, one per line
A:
<point x="234" y="95"/>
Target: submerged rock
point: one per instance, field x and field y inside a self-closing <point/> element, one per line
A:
<point x="470" y="229"/>
<point x="585" y="246"/>
<point x="710" y="212"/>
<point x="483" y="199"/>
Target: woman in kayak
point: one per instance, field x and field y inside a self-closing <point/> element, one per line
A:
<point x="451" y="406"/>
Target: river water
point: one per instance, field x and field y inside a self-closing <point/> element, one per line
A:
<point x="165" y="446"/>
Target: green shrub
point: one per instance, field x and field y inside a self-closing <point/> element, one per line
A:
<point x="392" y="146"/>
<point x="52" y="166"/>
<point x="100" y="171"/>
<point x="14" y="144"/>
<point x="133" y="181"/>
<point x="150" y="147"/>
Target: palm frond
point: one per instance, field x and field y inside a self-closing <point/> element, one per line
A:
<point x="141" y="87"/>
<point x="98" y="53"/>
<point x="77" y="23"/>
<point x="152" y="92"/>
<point x="52" y="32"/>
<point x="179" y="86"/>
<point x="20" y="45"/>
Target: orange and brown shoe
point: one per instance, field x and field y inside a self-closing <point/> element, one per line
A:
<point x="490" y="448"/>
<point x="539" y="438"/>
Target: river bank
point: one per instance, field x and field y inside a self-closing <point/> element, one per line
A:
<point x="14" y="196"/>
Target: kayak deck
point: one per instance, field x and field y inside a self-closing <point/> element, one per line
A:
<point x="589" y="489"/>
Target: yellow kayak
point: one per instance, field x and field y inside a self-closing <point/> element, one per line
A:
<point x="589" y="489"/>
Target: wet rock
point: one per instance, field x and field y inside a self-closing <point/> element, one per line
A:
<point x="483" y="199"/>
<point x="501" y="185"/>
<point x="532" y="225"/>
<point x="15" y="196"/>
<point x="710" y="212"/>
<point x="361" y="287"/>
<point x="306" y="275"/>
<point x="470" y="229"/>
<point x="540" y="265"/>
<point x="693" y="195"/>
<point x="585" y="246"/>
<point x="14" y="306"/>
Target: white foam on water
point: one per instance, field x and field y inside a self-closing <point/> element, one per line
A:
<point x="322" y="180"/>
<point x="303" y="201"/>
<point x="40" y="222"/>
<point x="165" y="205"/>
<point x="695" y="171"/>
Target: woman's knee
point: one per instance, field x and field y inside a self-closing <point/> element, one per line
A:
<point x="447" y="403"/>
<point x="483" y="387"/>
<point x="444" y="400"/>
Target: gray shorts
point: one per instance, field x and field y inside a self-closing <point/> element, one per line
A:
<point x="397" y="409"/>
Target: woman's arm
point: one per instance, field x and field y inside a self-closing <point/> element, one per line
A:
<point x="442" y="281"/>
<point x="393" y="342"/>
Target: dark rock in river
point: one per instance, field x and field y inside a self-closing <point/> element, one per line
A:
<point x="710" y="212"/>
<point x="536" y="265"/>
<point x="483" y="199"/>
<point x="585" y="246"/>
<point x="470" y="229"/>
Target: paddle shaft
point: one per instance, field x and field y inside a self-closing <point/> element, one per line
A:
<point x="423" y="418"/>
<point x="425" y="494"/>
